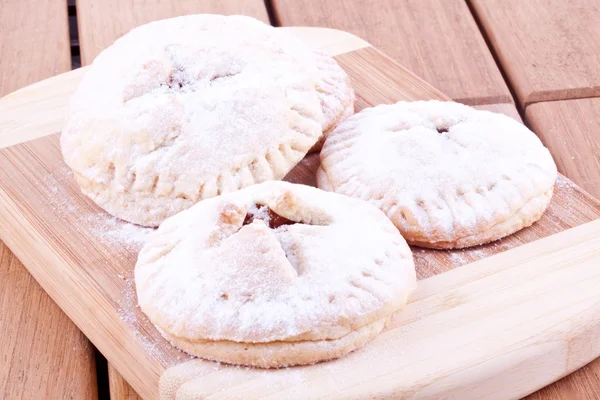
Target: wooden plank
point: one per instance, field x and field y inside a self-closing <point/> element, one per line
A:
<point x="42" y="353"/>
<point x="548" y="48"/>
<point x="438" y="40"/>
<point x="571" y="130"/>
<point x="506" y="109"/>
<point x="47" y="210"/>
<point x="388" y="81"/>
<point x="101" y="22"/>
<point x="35" y="42"/>
<point x="50" y="108"/>
<point x="583" y="384"/>
<point x="119" y="388"/>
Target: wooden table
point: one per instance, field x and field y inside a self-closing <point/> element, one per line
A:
<point x="535" y="59"/>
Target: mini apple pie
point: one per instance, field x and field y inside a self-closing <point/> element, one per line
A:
<point x="274" y="275"/>
<point x="184" y="109"/>
<point x="447" y="175"/>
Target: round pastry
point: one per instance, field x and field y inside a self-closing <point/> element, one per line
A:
<point x="274" y="275"/>
<point x="187" y="108"/>
<point x="447" y="175"/>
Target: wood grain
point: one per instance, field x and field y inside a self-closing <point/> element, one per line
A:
<point x="119" y="388"/>
<point x="101" y="22"/>
<point x="35" y="42"/>
<point x="548" y="48"/>
<point x="388" y="81"/>
<point x="50" y="108"/>
<point x="91" y="261"/>
<point x="42" y="353"/>
<point x="438" y="40"/>
<point x="571" y="130"/>
<point x="583" y="384"/>
<point x="506" y="109"/>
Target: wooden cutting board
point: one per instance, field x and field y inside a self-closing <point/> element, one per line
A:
<point x="517" y="315"/>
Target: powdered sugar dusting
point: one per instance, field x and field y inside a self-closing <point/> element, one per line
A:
<point x="104" y="226"/>
<point x="113" y="234"/>
<point x="461" y="257"/>
<point x="143" y="330"/>
<point x="113" y="230"/>
<point x="565" y="185"/>
<point x="57" y="198"/>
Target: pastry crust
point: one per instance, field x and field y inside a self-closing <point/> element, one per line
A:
<point x="188" y="108"/>
<point x="349" y="111"/>
<point x="225" y="275"/>
<point x="279" y="354"/>
<point x="447" y="175"/>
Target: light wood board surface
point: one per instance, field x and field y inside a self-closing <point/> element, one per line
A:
<point x="42" y="353"/>
<point x="438" y="40"/>
<point x="548" y="48"/>
<point x="502" y="317"/>
<point x="571" y="130"/>
<point x="583" y="384"/>
<point x="101" y="22"/>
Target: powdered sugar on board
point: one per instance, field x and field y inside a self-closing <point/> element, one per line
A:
<point x="116" y="230"/>
<point x="144" y="331"/>
<point x="113" y="233"/>
<point x="105" y="227"/>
